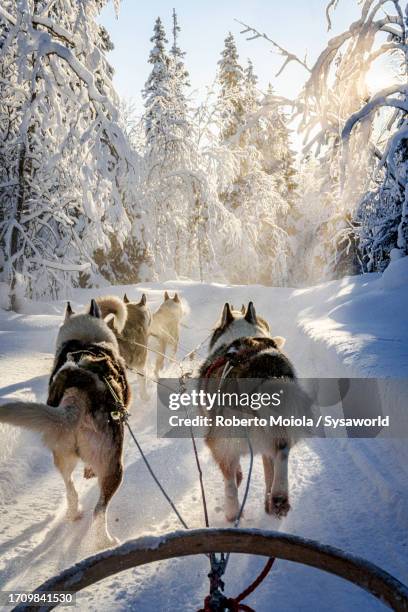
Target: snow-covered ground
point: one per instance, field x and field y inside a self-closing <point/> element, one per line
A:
<point x="348" y="493"/>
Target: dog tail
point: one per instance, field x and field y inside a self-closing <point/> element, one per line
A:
<point x="111" y="304"/>
<point x="41" y="417"/>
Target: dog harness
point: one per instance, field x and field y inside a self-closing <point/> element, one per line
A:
<point x="237" y="353"/>
<point x="91" y="363"/>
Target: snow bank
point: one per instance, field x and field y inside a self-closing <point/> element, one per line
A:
<point x="363" y="319"/>
<point x="395" y="275"/>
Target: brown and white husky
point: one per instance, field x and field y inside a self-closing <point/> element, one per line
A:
<point x="165" y="327"/>
<point x="79" y="419"/>
<point x="131" y="326"/>
<point x="257" y="355"/>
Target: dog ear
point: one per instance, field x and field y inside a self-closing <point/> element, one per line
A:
<point x="176" y="298"/>
<point x="250" y="314"/>
<point x="68" y="311"/>
<point x="279" y="341"/>
<point x="126" y="299"/>
<point x="94" y="310"/>
<point x="226" y="316"/>
<point x="243" y="309"/>
<point x="143" y="300"/>
<point x="166" y="296"/>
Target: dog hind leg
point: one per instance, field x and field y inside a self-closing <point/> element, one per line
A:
<point x="160" y="358"/>
<point x="239" y="475"/>
<point x="280" y="486"/>
<point x="141" y="371"/>
<point x="174" y="344"/>
<point x="109" y="483"/>
<point x="268" y="473"/>
<point x="230" y="471"/>
<point x="66" y="465"/>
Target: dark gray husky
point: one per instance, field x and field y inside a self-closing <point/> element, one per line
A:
<point x="80" y="419"/>
<point x="242" y="345"/>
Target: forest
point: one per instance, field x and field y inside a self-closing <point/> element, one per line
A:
<point x="212" y="190"/>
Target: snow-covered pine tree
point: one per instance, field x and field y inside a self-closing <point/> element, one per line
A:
<point x="157" y="88"/>
<point x="175" y="186"/>
<point x="65" y="165"/>
<point x="252" y="195"/>
<point x="231" y="81"/>
<point x="164" y="141"/>
<point x="250" y="91"/>
<point x="274" y="144"/>
<point x="178" y="66"/>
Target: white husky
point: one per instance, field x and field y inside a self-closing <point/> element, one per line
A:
<point x="165" y="327"/>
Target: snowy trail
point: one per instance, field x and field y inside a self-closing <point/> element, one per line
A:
<point x="348" y="493"/>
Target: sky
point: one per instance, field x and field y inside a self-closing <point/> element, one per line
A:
<point x="299" y="25"/>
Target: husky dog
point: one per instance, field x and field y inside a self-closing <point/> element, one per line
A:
<point x="131" y="326"/>
<point x="80" y="419"/>
<point x="242" y="339"/>
<point x="165" y="327"/>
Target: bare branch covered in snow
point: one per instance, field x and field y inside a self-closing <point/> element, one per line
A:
<point x="289" y="57"/>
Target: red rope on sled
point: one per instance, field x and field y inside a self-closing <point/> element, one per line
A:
<point x="230" y="604"/>
<point x="233" y="604"/>
<point x="257" y="581"/>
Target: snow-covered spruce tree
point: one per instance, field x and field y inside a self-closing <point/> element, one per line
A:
<point x="65" y="165"/>
<point x="274" y="144"/>
<point x="231" y="82"/>
<point x="335" y="90"/>
<point x="252" y="195"/>
<point x="175" y="186"/>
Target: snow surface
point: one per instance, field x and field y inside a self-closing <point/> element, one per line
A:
<point x="348" y="493"/>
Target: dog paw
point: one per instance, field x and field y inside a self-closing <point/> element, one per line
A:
<point x="268" y="503"/>
<point x="107" y="541"/>
<point x="88" y="472"/>
<point x="231" y="511"/>
<point x="277" y="505"/>
<point x="74" y="515"/>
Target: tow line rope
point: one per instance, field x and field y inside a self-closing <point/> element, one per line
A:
<point x="216" y="601"/>
<point x="172" y="359"/>
<point x="121" y="414"/>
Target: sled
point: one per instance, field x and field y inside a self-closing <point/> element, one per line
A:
<point x="141" y="551"/>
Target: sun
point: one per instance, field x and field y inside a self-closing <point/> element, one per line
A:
<point x="382" y="74"/>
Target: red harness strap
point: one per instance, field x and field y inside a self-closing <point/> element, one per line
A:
<point x="234" y="604"/>
<point x="233" y="356"/>
<point x="218" y="363"/>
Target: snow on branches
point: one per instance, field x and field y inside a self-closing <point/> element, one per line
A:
<point x="88" y="192"/>
<point x="65" y="165"/>
<point x="339" y="121"/>
<point x="253" y="131"/>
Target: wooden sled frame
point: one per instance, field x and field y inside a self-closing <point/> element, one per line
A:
<point x="145" y="550"/>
